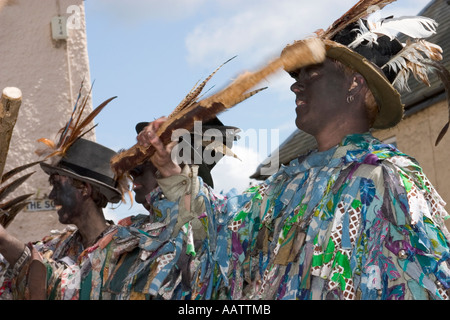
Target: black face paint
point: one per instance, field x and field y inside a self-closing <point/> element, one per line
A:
<point x="144" y="181"/>
<point x="67" y="199"/>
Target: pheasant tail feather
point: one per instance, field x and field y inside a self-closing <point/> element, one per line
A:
<point x="6" y="190"/>
<point x="195" y="92"/>
<point x="17" y="170"/>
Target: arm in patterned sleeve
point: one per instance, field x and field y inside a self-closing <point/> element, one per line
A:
<point x="174" y="257"/>
<point x="23" y="275"/>
<point x="184" y="189"/>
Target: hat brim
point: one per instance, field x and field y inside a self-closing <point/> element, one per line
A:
<point x="386" y="96"/>
<point x="112" y="194"/>
<point x="141" y="125"/>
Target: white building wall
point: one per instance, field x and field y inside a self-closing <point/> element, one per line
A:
<point x="49" y="73"/>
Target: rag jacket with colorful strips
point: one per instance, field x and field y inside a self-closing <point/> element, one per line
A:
<point x="358" y="221"/>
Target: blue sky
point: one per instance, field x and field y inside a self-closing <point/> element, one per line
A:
<point x="151" y="53"/>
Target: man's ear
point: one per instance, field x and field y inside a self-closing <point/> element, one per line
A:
<point x="357" y="84"/>
<point x="87" y="190"/>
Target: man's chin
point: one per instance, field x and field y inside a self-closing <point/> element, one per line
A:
<point x="63" y="221"/>
<point x="62" y="217"/>
<point x="139" y="198"/>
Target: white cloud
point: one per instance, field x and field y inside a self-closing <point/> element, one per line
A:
<point x="135" y="11"/>
<point x="233" y="173"/>
<point x="116" y="212"/>
<point x="112" y="214"/>
<point x="259" y="31"/>
<point x="281" y="83"/>
<point x="252" y="148"/>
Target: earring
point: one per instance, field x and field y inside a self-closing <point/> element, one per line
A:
<point x="350" y="99"/>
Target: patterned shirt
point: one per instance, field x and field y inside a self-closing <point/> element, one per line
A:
<point x="167" y="253"/>
<point x="358" y="221"/>
<point x="73" y="272"/>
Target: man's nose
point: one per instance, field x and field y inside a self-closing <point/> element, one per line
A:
<point x="297" y="87"/>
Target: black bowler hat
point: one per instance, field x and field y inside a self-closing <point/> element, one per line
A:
<point x="229" y="133"/>
<point x="88" y="161"/>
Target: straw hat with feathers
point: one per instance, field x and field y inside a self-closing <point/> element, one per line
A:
<point x="368" y="44"/>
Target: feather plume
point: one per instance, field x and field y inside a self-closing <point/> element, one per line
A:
<point x="300" y="54"/>
<point x="419" y="71"/>
<point x="196" y="91"/>
<point x="10" y="208"/>
<point x="444" y="75"/>
<point x="65" y="130"/>
<point x="414" y="27"/>
<point x="415" y="52"/>
<point x="17" y="170"/>
<point x="417" y="58"/>
<point x="6" y="190"/>
<point x="364" y="35"/>
<point x="360" y="10"/>
<point x="76" y="127"/>
<point x="401" y="80"/>
<point x="6" y="217"/>
<point x="9" y="204"/>
<point x="410" y="60"/>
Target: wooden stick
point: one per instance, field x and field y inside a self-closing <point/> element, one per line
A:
<point x="10" y="102"/>
<point x="3" y="3"/>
